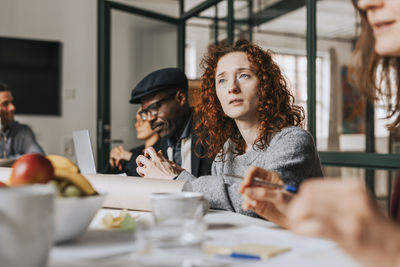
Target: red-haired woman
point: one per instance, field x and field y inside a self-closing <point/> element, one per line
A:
<point x="245" y="117"/>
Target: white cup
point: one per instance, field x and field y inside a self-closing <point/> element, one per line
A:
<point x="26" y="225"/>
<point x="178" y="218"/>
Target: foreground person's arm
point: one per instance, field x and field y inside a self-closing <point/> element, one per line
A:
<point x="268" y="202"/>
<point x="344" y="212"/>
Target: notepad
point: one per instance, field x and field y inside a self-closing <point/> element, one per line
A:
<point x="245" y="250"/>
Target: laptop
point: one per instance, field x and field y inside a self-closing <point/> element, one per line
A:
<point x="84" y="152"/>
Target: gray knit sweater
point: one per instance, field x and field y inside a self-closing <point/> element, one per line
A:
<point x="291" y="153"/>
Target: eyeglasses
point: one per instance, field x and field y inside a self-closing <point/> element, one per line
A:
<point x="153" y="108"/>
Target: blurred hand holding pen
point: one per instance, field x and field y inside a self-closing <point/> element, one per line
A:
<point x="259" y="182"/>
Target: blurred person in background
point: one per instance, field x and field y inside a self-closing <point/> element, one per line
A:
<point x="16" y="139"/>
<point x="123" y="161"/>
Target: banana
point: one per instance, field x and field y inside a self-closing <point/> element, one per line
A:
<point x="76" y="179"/>
<point x="66" y="170"/>
<point x="62" y="163"/>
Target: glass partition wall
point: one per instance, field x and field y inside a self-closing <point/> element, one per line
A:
<point x="311" y="40"/>
<point x="137" y="48"/>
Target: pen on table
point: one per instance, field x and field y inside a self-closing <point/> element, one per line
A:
<point x="244" y="256"/>
<point x="258" y="181"/>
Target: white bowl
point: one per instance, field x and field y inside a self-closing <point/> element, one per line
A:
<point x="74" y="214"/>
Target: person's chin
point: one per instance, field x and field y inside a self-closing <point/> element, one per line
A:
<point x="163" y="133"/>
<point x="6" y="121"/>
<point x="162" y="129"/>
<point x="386" y="47"/>
<point x="234" y="115"/>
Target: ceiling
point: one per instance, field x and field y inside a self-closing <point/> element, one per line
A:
<point x="336" y="19"/>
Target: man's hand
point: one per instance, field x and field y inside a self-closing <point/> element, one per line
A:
<point x="117" y="154"/>
<point x="268" y="202"/>
<point x="154" y="165"/>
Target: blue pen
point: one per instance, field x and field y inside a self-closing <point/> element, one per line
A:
<point x="258" y="181"/>
<point x="244" y="256"/>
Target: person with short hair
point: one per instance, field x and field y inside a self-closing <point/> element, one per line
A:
<point x="16" y="139"/>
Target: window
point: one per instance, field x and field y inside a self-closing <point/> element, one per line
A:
<point x="294" y="67"/>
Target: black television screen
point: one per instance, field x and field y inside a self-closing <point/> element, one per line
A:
<point x="32" y="70"/>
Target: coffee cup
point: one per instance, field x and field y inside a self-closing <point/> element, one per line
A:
<point x="26" y="225"/>
<point x="178" y="218"/>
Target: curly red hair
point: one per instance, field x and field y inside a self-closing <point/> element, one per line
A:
<point x="275" y="110"/>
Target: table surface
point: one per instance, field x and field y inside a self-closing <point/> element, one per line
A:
<point x="103" y="247"/>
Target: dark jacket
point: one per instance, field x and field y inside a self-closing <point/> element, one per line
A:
<point x="129" y="167"/>
<point x="200" y="166"/>
<point x="17" y="141"/>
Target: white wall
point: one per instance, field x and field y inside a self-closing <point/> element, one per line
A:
<point x="139" y="45"/>
<point x="74" y="24"/>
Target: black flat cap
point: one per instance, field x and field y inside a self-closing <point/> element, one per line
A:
<point x="157" y="81"/>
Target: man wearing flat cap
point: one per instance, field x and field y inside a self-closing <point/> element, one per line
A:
<point x="164" y="98"/>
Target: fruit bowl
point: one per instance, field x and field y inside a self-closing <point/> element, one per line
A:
<point x="74" y="214"/>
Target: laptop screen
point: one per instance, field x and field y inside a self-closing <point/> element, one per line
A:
<point x="83" y="152"/>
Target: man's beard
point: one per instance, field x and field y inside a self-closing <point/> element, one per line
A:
<point x="161" y="128"/>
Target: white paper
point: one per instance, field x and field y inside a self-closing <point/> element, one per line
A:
<point x="133" y="192"/>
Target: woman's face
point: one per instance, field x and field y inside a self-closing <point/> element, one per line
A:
<point x="143" y="128"/>
<point x="384" y="18"/>
<point x="236" y="86"/>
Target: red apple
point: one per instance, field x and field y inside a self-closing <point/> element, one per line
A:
<point x="2" y="184"/>
<point x="31" y="169"/>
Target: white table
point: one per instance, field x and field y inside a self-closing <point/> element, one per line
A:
<point x="99" y="247"/>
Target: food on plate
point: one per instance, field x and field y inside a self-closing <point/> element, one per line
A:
<point x="31" y="169"/>
<point x="2" y="184"/>
<point x="124" y="221"/>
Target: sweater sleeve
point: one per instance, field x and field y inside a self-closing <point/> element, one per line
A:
<point x="293" y="156"/>
<point x="222" y="192"/>
<point x="291" y="153"/>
